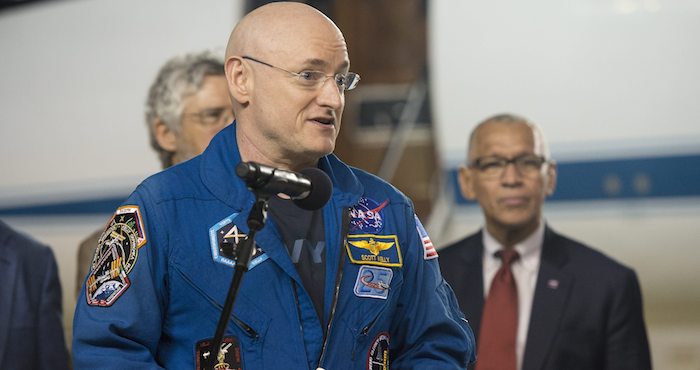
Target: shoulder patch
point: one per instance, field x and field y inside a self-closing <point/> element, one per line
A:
<point x="429" y="251"/>
<point x="367" y="216"/>
<point x="115" y="256"/>
<point x="371" y="249"/>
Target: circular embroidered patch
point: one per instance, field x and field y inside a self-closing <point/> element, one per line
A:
<point x="378" y="354"/>
<point x="367" y="216"/>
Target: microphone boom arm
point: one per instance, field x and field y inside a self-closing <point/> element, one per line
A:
<point x="244" y="252"/>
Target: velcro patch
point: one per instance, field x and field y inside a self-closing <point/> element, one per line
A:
<point x="115" y="256"/>
<point x="373" y="282"/>
<point x="378" y="353"/>
<point x="228" y="358"/>
<point x="378" y="250"/>
<point x="224" y="238"/>
<point x="429" y="251"/>
<point x="367" y="216"/>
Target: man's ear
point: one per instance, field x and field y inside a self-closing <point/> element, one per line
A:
<point x="551" y="178"/>
<point x="466" y="183"/>
<point x="237" y="78"/>
<point x="166" y="138"/>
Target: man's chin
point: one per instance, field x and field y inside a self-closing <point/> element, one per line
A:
<point x="521" y="225"/>
<point x="517" y="220"/>
<point x="322" y="150"/>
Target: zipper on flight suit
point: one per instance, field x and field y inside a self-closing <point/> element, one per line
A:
<point x="245" y="327"/>
<point x="296" y="302"/>
<point x="365" y="330"/>
<point x="249" y="330"/>
<point x="345" y="228"/>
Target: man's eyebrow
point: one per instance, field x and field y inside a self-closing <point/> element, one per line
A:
<point x="318" y="63"/>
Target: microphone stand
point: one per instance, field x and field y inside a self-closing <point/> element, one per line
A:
<point x="243" y="253"/>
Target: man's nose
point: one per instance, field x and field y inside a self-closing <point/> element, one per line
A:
<point x="331" y="94"/>
<point x="511" y="174"/>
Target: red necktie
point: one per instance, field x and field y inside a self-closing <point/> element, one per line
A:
<point x="499" y="322"/>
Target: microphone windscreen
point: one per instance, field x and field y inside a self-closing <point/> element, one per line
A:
<point x="321" y="189"/>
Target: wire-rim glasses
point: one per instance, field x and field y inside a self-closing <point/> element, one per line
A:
<point x="310" y="78"/>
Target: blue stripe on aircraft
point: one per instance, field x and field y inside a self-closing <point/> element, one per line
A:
<point x="654" y="177"/>
<point x="105" y="205"/>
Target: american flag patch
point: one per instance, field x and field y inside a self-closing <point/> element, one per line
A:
<point x="429" y="251"/>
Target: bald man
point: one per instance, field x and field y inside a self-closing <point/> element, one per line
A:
<point x="537" y="299"/>
<point x="353" y="285"/>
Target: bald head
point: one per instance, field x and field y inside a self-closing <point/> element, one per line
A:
<point x="272" y="27"/>
<point x="286" y="115"/>
<point x="539" y="144"/>
<point x="507" y="176"/>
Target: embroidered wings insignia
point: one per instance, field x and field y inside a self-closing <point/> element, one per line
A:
<point x="372" y="245"/>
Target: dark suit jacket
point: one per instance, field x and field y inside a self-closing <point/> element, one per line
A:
<point x="31" y="329"/>
<point x="586" y="312"/>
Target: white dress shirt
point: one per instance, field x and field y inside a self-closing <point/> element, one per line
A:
<point x="524" y="271"/>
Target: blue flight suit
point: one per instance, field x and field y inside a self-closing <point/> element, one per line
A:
<point x="158" y="280"/>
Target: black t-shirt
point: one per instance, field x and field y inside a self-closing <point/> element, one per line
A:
<point x="302" y="232"/>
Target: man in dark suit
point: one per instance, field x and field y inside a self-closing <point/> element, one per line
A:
<point x="559" y="305"/>
<point x="31" y="329"/>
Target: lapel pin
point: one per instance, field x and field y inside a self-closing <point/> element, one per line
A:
<point x="553" y="284"/>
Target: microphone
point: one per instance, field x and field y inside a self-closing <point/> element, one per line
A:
<point x="310" y="188"/>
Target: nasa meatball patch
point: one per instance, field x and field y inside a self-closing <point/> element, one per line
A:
<point x="367" y="216"/>
<point x="115" y="256"/>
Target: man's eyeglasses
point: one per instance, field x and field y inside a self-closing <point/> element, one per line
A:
<point x="315" y="79"/>
<point x="213" y="117"/>
<point x="494" y="166"/>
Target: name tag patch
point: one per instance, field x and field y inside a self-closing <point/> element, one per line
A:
<point x="378" y="250"/>
<point x="373" y="282"/>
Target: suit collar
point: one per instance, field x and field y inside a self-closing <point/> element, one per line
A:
<point x="551" y="295"/>
<point x="552" y="252"/>
<point x="473" y="255"/>
<point x="470" y="281"/>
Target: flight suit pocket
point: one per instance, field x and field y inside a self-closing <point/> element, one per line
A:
<point x="248" y="323"/>
<point x="372" y="317"/>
